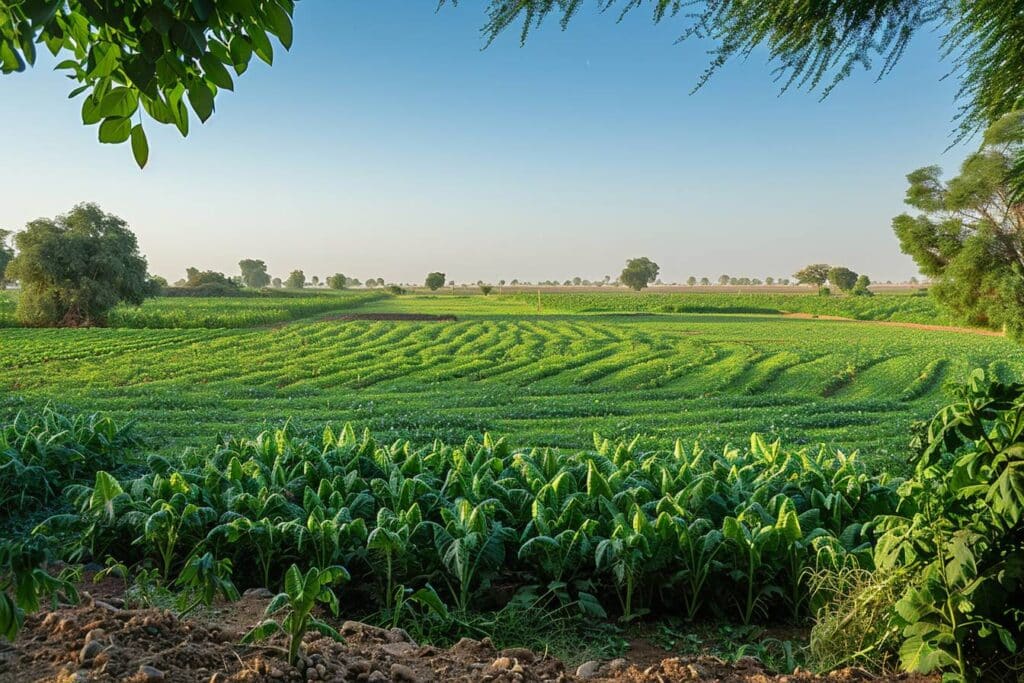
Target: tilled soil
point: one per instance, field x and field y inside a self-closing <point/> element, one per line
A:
<point x="98" y="641"/>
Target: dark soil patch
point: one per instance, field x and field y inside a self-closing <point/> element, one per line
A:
<point x="98" y="641"/>
<point x="420" y="317"/>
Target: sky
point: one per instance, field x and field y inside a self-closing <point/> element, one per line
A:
<point x="389" y="143"/>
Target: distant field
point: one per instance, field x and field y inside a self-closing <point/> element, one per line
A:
<point x="583" y="364"/>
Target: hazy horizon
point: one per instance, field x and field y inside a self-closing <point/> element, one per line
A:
<point x="387" y="143"/>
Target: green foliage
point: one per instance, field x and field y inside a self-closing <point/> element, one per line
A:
<point x="42" y="452"/>
<point x="301" y="594"/>
<point x="254" y="273"/>
<point x="970" y="236"/>
<point x="958" y="533"/>
<point x="486" y="289"/>
<point x="843" y="278"/>
<point x="296" y="280"/>
<point x="76" y="267"/>
<point x="205" y="578"/>
<point x="6" y="255"/>
<point x="195" y="278"/>
<point x="639" y="272"/>
<point x="336" y="281"/>
<point x="861" y="287"/>
<point x="435" y="281"/>
<point x="24" y="582"/>
<point x="815" y="274"/>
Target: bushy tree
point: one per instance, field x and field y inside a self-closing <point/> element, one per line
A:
<point x="435" y="281"/>
<point x="336" y="281"/>
<point x="486" y="289"/>
<point x="723" y="279"/>
<point x="860" y="288"/>
<point x="254" y="273"/>
<point x="705" y="282"/>
<point x="296" y="280"/>
<point x="639" y="272"/>
<point x="76" y="267"/>
<point x="277" y="283"/>
<point x="205" y="278"/>
<point x="691" y="281"/>
<point x="842" y="277"/>
<point x="969" y="236"/>
<point x="815" y="274"/>
<point x="6" y="254"/>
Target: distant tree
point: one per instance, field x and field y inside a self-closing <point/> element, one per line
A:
<point x="860" y="288"/>
<point x="691" y="281"/>
<point x="435" y="281"/>
<point x="756" y="281"/>
<point x="370" y="283"/>
<point x="842" y="277"/>
<point x="913" y="281"/>
<point x="76" y="267"/>
<point x="815" y="274"/>
<point x="723" y="279"/>
<point x="254" y="273"/>
<point x="199" y="278"/>
<point x="639" y="272"/>
<point x="784" y="281"/>
<point x="486" y="289"/>
<point x="315" y="280"/>
<point x="969" y="237"/>
<point x="514" y="283"/>
<point x="769" y="280"/>
<point x="296" y="280"/>
<point x="705" y="282"/>
<point x="181" y="282"/>
<point x="396" y="289"/>
<point x="276" y="282"/>
<point x="336" y="281"/>
<point x="157" y="284"/>
<point x="6" y="254"/>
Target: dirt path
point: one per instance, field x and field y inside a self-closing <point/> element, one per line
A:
<point x="893" y="323"/>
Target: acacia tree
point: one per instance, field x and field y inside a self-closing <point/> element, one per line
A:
<point x="435" y="281"/>
<point x="969" y="236"/>
<point x="76" y="267"/>
<point x="842" y="277"/>
<point x="815" y="274"/>
<point x="254" y="273"/>
<point x="296" y="280"/>
<point x="639" y="272"/>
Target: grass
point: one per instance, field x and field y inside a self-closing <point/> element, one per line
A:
<point x="547" y="378"/>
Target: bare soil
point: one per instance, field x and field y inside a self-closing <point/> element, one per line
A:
<point x="423" y="317"/>
<point x="100" y="641"/>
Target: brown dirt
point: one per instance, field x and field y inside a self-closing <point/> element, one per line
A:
<point x="424" y="317"/>
<point x="99" y="641"/>
<point x="892" y="323"/>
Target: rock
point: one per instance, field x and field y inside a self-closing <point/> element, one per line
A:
<point x="89" y="651"/>
<point x="258" y="593"/>
<point x="400" y="635"/>
<point x="617" y="665"/>
<point x="105" y="605"/>
<point x="151" y="673"/>
<point x="502" y="663"/>
<point x="376" y="677"/>
<point x="94" y="634"/>
<point x="400" y="649"/>
<point x="312" y="675"/>
<point x="588" y="669"/>
<point x="519" y="653"/>
<point x="400" y="673"/>
<point x="353" y="628"/>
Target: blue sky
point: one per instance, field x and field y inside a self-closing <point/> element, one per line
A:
<point x="388" y="143"/>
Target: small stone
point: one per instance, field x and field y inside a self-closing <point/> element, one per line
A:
<point x="400" y="635"/>
<point x="94" y="634"/>
<point x="520" y="653"/>
<point x="399" y="649"/>
<point x="588" y="669"/>
<point x="312" y="675"/>
<point x="259" y="593"/>
<point x="89" y="651"/>
<point x="151" y="673"/>
<point x="376" y="677"/>
<point x="276" y="673"/>
<point x="617" y="665"/>
<point x="400" y="673"/>
<point x="502" y="663"/>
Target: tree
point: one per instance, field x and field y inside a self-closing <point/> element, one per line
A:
<point x="861" y="287"/>
<point x="76" y="267"/>
<point x="336" y="281"/>
<point x="969" y="236"/>
<point x="639" y="272"/>
<point x="769" y="281"/>
<point x="691" y="281"/>
<point x="254" y="273"/>
<point x="276" y="283"/>
<point x="842" y="277"/>
<point x="316" y="281"/>
<point x="815" y="274"/>
<point x="296" y="280"/>
<point x="205" y="278"/>
<point x="486" y="289"/>
<point x="723" y="280"/>
<point x="6" y="254"/>
<point x="435" y="281"/>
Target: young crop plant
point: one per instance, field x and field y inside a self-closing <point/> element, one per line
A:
<point x="24" y="582"/>
<point x="205" y="577"/>
<point x="471" y="546"/>
<point x="302" y="592"/>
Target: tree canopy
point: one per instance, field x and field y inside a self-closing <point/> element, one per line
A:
<point x="172" y="59"/>
<point x="639" y="272"/>
<point x="969" y="236"/>
<point x="296" y="280"/>
<point x="337" y="281"/>
<point x="254" y="273"/>
<point x="815" y="274"/>
<point x="435" y="281"/>
<point x="843" y="278"/>
<point x="76" y="267"/>
<point x="6" y="254"/>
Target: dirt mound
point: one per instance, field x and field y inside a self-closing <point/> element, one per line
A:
<point x="99" y="641"/>
<point x="420" y="317"/>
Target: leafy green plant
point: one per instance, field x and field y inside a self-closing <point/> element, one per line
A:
<point x="204" y="577"/>
<point x="302" y="592"/>
<point x="24" y="582"/>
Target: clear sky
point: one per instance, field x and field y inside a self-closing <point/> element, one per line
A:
<point x="388" y="143"/>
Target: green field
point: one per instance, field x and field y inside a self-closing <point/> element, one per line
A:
<point x="550" y="376"/>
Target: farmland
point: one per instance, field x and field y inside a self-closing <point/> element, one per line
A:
<point x="616" y="364"/>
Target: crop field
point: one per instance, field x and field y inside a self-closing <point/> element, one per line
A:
<point x="554" y="376"/>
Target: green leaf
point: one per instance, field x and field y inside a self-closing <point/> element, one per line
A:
<point x="201" y="99"/>
<point x="119" y="102"/>
<point x="240" y="50"/>
<point x="140" y="147"/>
<point x="215" y="72"/>
<point x="280" y="24"/>
<point x="115" y="130"/>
